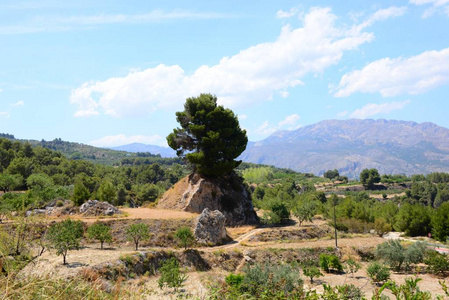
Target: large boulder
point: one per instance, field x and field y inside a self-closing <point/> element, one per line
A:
<point x="98" y="208"/>
<point x="227" y="194"/>
<point x="210" y="227"/>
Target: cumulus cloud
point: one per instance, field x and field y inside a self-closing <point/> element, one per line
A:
<point x="289" y="122"/>
<point x="253" y="75"/>
<point x="390" y="77"/>
<point x="121" y="139"/>
<point x="372" y="109"/>
<point x="441" y="6"/>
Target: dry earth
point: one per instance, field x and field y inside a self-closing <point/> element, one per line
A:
<point x="197" y="283"/>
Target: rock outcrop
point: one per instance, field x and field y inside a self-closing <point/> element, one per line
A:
<point x="227" y="194"/>
<point x="98" y="208"/>
<point x="210" y="227"/>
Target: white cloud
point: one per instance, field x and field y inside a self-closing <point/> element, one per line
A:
<point x="18" y="103"/>
<point x="372" y="109"/>
<point x="390" y="77"/>
<point x="242" y="117"/>
<point x="121" y="139"/>
<point x="46" y="24"/>
<point x="281" y="14"/>
<point x="265" y="129"/>
<point x="441" y="6"/>
<point x="253" y="75"/>
<point x="289" y="122"/>
<point x="342" y="114"/>
<point x="4" y="114"/>
<point x="383" y="14"/>
<point x="1" y="90"/>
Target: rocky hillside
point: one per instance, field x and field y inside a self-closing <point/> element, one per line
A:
<point x="351" y="145"/>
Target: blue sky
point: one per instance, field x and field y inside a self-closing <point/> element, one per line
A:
<point x="109" y="73"/>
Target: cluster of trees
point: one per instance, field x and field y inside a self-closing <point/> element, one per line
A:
<point x="47" y="175"/>
<point x="66" y="235"/>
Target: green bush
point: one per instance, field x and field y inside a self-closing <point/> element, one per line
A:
<point x="329" y="262"/>
<point x="351" y="266"/>
<point x="185" y="236"/>
<point x="378" y="272"/>
<point x="234" y="280"/>
<point x="278" y="214"/>
<point x="399" y="257"/>
<point x="171" y="275"/>
<point x="312" y="272"/>
<point x="437" y="263"/>
<point x="270" y="280"/>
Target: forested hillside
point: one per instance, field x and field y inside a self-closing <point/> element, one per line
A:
<point x="47" y="174"/>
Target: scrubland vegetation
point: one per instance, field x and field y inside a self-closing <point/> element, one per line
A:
<point x="294" y="207"/>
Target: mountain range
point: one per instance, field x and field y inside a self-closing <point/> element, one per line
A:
<point x="153" y="149"/>
<point x="392" y="147"/>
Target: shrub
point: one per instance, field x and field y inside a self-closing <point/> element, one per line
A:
<point x="279" y="213"/>
<point x="234" y="280"/>
<point x="312" y="272"/>
<point x="398" y="257"/>
<point x="171" y="275"/>
<point x="437" y="263"/>
<point x="381" y="226"/>
<point x="185" y="236"/>
<point x="352" y="266"/>
<point x="270" y="280"/>
<point x="330" y="261"/>
<point x="378" y="273"/>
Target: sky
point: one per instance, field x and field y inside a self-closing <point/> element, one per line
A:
<point x="109" y="73"/>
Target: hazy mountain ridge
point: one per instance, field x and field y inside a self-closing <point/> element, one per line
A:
<point x="153" y="149"/>
<point x="351" y="145"/>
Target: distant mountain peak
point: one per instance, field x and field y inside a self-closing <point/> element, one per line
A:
<point x="351" y="145"/>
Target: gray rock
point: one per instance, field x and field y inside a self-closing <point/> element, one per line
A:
<point x="98" y="208"/>
<point x="210" y="227"/>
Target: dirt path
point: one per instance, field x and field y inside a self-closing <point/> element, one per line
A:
<point x="143" y="213"/>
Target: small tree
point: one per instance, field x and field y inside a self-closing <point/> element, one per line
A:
<point x="368" y="177"/>
<point x="99" y="231"/>
<point x="351" y="266"/>
<point x="378" y="273"/>
<point x="138" y="232"/>
<point x="331" y="174"/>
<point x="185" y="236"/>
<point x="304" y="211"/>
<point x="312" y="272"/>
<point x="171" y="275"/>
<point x="65" y="236"/>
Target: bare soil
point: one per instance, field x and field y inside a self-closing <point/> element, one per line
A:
<point x="248" y="241"/>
